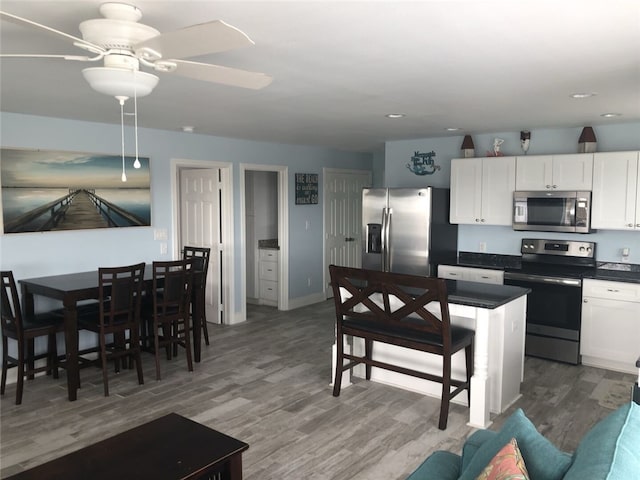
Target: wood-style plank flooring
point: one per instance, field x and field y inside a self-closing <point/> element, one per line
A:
<point x="266" y="382"/>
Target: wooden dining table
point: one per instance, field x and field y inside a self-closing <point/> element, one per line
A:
<point x="72" y="288"/>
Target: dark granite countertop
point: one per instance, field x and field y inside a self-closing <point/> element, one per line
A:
<point x="616" y="272"/>
<point x="269" y="244"/>
<point x="482" y="295"/>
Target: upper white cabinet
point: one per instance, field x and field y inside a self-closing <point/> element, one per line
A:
<point x="555" y="172"/>
<point x="482" y="190"/>
<point x="616" y="191"/>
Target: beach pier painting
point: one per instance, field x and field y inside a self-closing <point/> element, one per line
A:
<point x="44" y="190"/>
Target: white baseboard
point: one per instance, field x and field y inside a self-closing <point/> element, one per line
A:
<point x="305" y="301"/>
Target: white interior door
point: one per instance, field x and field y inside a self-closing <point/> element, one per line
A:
<point x="343" y="215"/>
<point x="200" y="192"/>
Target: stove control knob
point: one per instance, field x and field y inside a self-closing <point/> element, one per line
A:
<point x="582" y="249"/>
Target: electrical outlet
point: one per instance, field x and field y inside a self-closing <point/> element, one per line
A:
<point x="483" y="246"/>
<point x="308" y="281"/>
<point x="625" y="254"/>
<point x="163" y="248"/>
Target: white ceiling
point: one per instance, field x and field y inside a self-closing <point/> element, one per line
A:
<point x="340" y="66"/>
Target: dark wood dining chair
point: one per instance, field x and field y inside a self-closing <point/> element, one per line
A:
<point x="200" y="256"/>
<point x="120" y="293"/>
<point x="24" y="330"/>
<point x="168" y="315"/>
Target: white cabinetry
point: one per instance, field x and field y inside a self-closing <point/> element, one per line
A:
<point x="555" y="172"/>
<point x="482" y="190"/>
<point x="471" y="274"/>
<point x="610" y="333"/>
<point x="616" y="191"/>
<point x="268" y="276"/>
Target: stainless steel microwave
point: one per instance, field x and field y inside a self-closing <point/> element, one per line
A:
<point x="552" y="211"/>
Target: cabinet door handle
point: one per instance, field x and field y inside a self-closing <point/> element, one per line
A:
<point x="555" y="186"/>
<point x="630" y="225"/>
<point x="612" y="290"/>
<point x="349" y="239"/>
<point x="549" y="186"/>
<point x="585" y="300"/>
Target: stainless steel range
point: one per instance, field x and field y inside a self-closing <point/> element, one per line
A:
<point x="553" y="270"/>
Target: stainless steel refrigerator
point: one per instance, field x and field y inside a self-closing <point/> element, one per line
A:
<point x="407" y="230"/>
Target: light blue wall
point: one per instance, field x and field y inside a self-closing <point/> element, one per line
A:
<point x="37" y="254"/>
<point x="504" y="240"/>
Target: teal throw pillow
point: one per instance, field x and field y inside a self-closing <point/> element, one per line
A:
<point x="544" y="461"/>
<point x="611" y="449"/>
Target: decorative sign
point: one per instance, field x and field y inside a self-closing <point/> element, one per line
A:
<point x="423" y="163"/>
<point x="306" y="188"/>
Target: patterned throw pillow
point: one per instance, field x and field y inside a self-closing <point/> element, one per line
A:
<point x="506" y="465"/>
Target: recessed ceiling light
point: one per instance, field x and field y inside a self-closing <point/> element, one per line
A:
<point x="583" y="95"/>
<point x="188" y="129"/>
<point x="452" y="129"/>
<point x="395" y="115"/>
<point x="611" y="115"/>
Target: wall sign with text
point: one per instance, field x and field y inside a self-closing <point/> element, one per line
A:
<point x="306" y="188"/>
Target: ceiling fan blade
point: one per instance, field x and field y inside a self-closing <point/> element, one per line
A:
<point x="78" y="42"/>
<point x="78" y="58"/>
<point x="224" y="75"/>
<point x="202" y="39"/>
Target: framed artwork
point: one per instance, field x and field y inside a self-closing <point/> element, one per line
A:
<point x="48" y="190"/>
<point x="306" y="188"/>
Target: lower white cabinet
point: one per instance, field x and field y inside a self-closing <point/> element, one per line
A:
<point x="471" y="274"/>
<point x="268" y="277"/>
<point x="610" y="333"/>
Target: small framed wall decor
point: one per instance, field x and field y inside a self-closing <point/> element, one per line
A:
<point x="306" y="188"/>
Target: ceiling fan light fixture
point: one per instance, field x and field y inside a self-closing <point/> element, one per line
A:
<point x="118" y="82"/>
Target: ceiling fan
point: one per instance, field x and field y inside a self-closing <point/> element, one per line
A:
<point x="125" y="45"/>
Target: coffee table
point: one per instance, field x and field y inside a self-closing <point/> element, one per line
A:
<point x="170" y="447"/>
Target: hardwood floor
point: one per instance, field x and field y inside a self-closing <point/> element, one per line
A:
<point x="266" y="382"/>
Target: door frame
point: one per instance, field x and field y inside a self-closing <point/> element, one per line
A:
<point x="227" y="286"/>
<point x="283" y="234"/>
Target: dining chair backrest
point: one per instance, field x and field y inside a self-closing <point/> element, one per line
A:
<point x="200" y="256"/>
<point x="120" y="293"/>
<point x="172" y="285"/>
<point x="11" y="312"/>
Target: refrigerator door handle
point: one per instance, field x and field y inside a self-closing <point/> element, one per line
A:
<point x="383" y="240"/>
<point x="387" y="237"/>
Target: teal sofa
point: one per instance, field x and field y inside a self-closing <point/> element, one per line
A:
<point x="609" y="451"/>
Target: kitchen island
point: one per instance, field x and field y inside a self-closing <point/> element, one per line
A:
<point x="497" y="315"/>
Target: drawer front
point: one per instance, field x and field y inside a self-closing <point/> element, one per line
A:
<point x="269" y="290"/>
<point x="452" y="272"/>
<point x="486" y="276"/>
<point x="268" y="255"/>
<point x="269" y="271"/>
<point x="629" y="292"/>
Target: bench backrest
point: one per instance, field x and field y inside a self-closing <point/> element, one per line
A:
<point x="393" y="299"/>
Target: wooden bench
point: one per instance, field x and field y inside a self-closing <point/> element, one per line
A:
<point x="392" y="308"/>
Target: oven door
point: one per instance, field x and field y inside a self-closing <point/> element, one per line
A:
<point x="553" y="315"/>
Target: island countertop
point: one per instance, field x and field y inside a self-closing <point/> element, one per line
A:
<point x="482" y="295"/>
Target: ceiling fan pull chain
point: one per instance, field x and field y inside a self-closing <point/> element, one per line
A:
<point x="124" y="175"/>
<point x="136" y="164"/>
